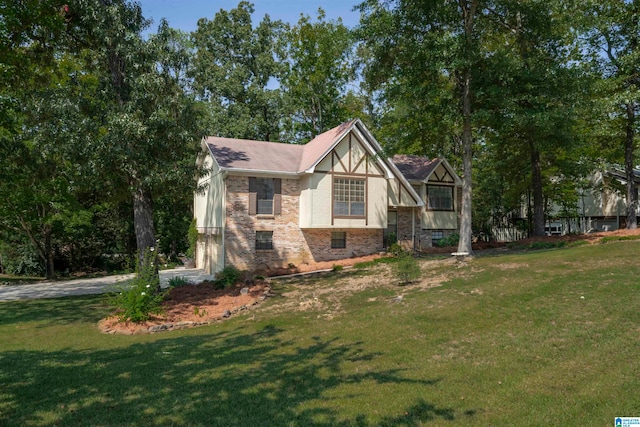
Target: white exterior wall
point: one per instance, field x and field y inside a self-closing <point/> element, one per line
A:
<point x="316" y="203"/>
<point x="209" y="211"/>
<point x="439" y="220"/>
<point x="398" y="195"/>
<point x="209" y="207"/>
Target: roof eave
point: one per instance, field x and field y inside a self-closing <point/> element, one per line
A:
<point x="259" y="171"/>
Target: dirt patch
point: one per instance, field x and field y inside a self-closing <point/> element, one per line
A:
<point x="314" y="266"/>
<point x="192" y="305"/>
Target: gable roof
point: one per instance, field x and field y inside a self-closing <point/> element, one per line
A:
<point x="243" y="155"/>
<point x="258" y="156"/>
<point x="419" y="168"/>
<point x="416" y="168"/>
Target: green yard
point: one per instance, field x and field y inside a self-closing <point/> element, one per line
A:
<point x="543" y="338"/>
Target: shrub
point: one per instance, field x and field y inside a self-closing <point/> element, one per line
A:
<point x="335" y="268"/>
<point x="450" y="240"/>
<point x="142" y="297"/>
<point x="177" y="281"/>
<point x="395" y="249"/>
<point x="229" y="276"/>
<point x="407" y="269"/>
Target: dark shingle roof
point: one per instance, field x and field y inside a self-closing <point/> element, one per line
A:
<point x="415" y="168"/>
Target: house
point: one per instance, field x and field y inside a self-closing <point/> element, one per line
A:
<point x="601" y="206"/>
<point x="271" y="204"/>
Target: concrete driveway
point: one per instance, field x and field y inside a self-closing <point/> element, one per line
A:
<point x="99" y="285"/>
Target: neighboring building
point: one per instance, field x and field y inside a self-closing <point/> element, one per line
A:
<point x="601" y="206"/>
<point x="270" y="204"/>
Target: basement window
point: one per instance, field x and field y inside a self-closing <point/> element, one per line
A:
<point x="264" y="240"/>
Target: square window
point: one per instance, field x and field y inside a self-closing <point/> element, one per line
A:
<point x="264" y="240"/>
<point x="439" y="198"/>
<point x="348" y="197"/>
<point x="338" y="239"/>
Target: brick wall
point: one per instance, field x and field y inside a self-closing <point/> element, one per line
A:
<point x="359" y="242"/>
<point x="291" y="245"/>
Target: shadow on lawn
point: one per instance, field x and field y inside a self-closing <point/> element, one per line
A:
<point x="55" y="311"/>
<point x="229" y="378"/>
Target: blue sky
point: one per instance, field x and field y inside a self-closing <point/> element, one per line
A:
<point x="184" y="14"/>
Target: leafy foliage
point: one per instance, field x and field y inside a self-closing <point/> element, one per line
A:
<point x="407" y="268"/>
<point x="142" y="296"/>
<point x="229" y="276"/>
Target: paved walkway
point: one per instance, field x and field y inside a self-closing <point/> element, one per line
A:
<point x="98" y="285"/>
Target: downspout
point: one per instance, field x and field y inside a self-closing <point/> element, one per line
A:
<point x="413" y="228"/>
<point x="224" y="218"/>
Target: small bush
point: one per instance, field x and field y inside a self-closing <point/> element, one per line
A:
<point x="177" y="281"/>
<point x="229" y="276"/>
<point x="142" y="297"/>
<point x="407" y="268"/>
<point x="395" y="249"/>
<point x="450" y="240"/>
<point x="336" y="268"/>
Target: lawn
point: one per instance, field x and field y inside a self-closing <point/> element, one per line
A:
<point x="523" y="339"/>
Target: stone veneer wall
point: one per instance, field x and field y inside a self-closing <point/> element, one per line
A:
<point x="291" y="245"/>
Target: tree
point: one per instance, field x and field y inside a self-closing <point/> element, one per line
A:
<point x="531" y="97"/>
<point x="423" y="57"/>
<point x="37" y="196"/>
<point x="145" y="133"/>
<point x="234" y="68"/>
<point x="315" y="83"/>
<point x="614" y="35"/>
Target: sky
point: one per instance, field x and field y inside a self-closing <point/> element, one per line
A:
<point x="184" y="14"/>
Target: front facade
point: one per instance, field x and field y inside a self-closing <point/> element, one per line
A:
<point x="268" y="205"/>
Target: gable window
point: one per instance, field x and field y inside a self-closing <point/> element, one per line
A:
<point x="348" y="197"/>
<point x="264" y="240"/>
<point x="264" y="196"/>
<point x="338" y="239"/>
<point x="439" y="198"/>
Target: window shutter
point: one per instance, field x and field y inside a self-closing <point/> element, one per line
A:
<point x="277" y="196"/>
<point x="253" y="196"/>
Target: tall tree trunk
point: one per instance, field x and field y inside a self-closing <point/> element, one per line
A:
<point x="143" y="225"/>
<point x="468" y="8"/>
<point x="632" y="194"/>
<point x="536" y="186"/>
<point x="464" y="244"/>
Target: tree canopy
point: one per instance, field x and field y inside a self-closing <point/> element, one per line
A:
<point x="102" y="119"/>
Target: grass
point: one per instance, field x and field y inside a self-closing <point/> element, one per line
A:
<point x="535" y="338"/>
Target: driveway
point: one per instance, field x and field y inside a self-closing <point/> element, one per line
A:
<point x="98" y="285"/>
